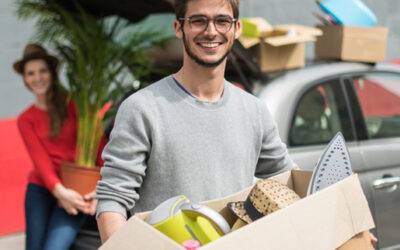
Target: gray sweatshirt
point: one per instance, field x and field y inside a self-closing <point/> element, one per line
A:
<point x="166" y="143"/>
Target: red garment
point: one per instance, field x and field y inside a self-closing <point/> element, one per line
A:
<point x="46" y="154"/>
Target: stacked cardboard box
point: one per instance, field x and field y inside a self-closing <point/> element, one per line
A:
<point x="350" y="43"/>
<point x="337" y="217"/>
<point x="279" y="47"/>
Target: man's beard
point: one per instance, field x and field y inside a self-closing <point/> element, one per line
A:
<point x="199" y="60"/>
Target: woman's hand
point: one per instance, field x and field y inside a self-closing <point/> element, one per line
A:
<point x="92" y="203"/>
<point x="69" y="199"/>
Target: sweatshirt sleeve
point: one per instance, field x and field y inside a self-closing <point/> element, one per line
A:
<point x="274" y="158"/>
<point x="125" y="157"/>
<point x="40" y="157"/>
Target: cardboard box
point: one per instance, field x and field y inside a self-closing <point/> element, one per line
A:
<point x="279" y="48"/>
<point x="324" y="220"/>
<point x="348" y="43"/>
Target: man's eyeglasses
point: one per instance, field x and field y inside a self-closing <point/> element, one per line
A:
<point x="199" y="23"/>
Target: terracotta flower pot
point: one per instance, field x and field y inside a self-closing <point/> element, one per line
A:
<point x="82" y="179"/>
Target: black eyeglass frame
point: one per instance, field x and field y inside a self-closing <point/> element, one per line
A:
<point x="233" y="20"/>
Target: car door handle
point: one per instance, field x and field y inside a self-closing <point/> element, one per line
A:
<point x="386" y="182"/>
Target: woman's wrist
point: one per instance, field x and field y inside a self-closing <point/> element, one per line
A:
<point x="58" y="190"/>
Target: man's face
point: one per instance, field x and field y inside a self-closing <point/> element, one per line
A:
<point x="209" y="47"/>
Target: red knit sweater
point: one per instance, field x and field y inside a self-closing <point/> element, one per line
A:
<point x="46" y="154"/>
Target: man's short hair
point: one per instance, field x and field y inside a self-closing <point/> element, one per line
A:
<point x="181" y="7"/>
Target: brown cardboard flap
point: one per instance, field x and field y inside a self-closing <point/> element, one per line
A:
<point x="286" y="40"/>
<point x="301" y="180"/>
<point x="300" y="29"/>
<point x="248" y="42"/>
<point x="278" y="35"/>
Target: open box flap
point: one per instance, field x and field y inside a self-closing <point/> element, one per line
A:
<point x="248" y="42"/>
<point x="256" y="30"/>
<point x="300" y="29"/>
<point x="301" y="180"/>
<point x="277" y="41"/>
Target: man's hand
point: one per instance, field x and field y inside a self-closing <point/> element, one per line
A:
<point x="109" y="223"/>
<point x="69" y="199"/>
<point x="373" y="238"/>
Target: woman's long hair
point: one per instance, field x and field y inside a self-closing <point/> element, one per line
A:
<point x="56" y="100"/>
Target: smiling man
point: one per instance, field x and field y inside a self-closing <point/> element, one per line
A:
<point x="191" y="133"/>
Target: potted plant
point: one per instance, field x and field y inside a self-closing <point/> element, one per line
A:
<point x="97" y="59"/>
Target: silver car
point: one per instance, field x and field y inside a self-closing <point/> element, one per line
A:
<point x="363" y="102"/>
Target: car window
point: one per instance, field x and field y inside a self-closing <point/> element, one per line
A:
<point x="379" y="97"/>
<point x="320" y="113"/>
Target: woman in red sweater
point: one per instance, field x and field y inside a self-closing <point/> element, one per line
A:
<point x="48" y="127"/>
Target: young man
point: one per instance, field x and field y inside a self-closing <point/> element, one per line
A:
<point x="191" y="133"/>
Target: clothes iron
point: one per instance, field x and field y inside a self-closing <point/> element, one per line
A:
<point x="333" y="166"/>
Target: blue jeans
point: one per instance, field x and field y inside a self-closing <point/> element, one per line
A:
<point x="47" y="225"/>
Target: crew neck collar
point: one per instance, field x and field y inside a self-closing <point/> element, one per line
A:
<point x="196" y="102"/>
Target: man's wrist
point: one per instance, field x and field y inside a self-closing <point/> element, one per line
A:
<point x="109" y="223"/>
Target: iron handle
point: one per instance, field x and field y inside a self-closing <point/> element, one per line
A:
<point x="386" y="182"/>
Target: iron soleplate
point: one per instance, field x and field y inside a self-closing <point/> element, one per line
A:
<point x="333" y="166"/>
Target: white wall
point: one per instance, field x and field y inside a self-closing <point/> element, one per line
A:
<point x="14" y="35"/>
